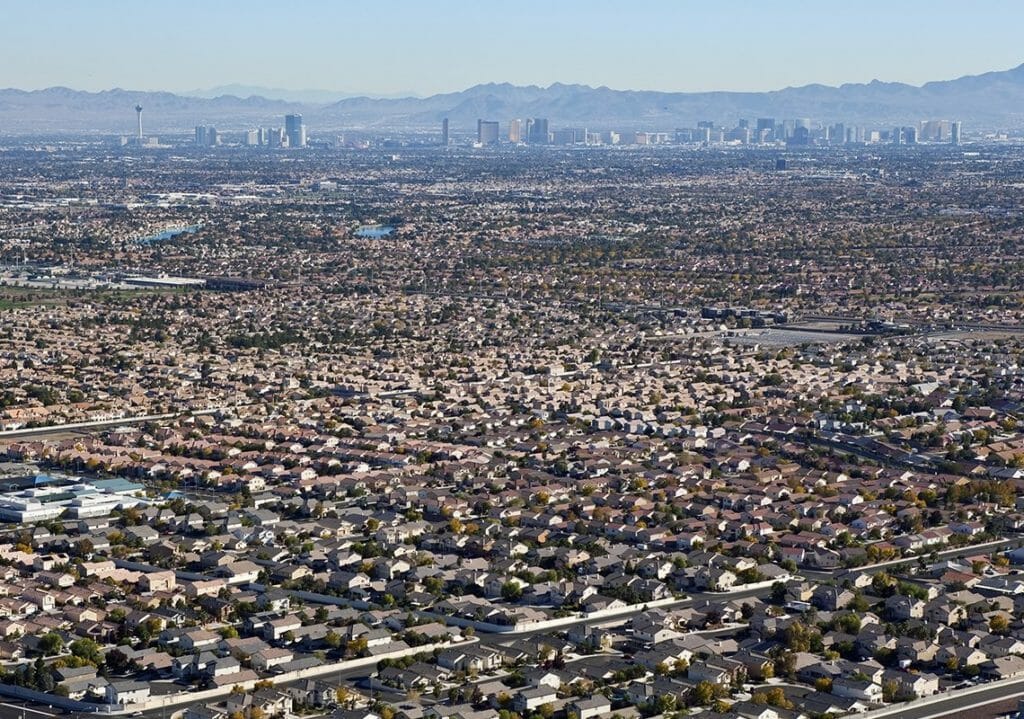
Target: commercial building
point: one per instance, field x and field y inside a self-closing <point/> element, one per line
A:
<point x="568" y="136"/>
<point x="904" y="136"/>
<point x="487" y="132"/>
<point x="765" y="129"/>
<point x="538" y="131"/>
<point x="515" y="131"/>
<point x="295" y="130"/>
<point x="936" y="131"/>
<point x="207" y="136"/>
<point x="78" y="499"/>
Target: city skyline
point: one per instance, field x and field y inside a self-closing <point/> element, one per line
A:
<point x="400" y="47"/>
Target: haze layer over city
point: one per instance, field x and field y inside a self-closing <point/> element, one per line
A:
<point x="545" y="361"/>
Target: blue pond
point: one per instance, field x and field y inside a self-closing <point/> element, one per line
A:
<point x="168" y="234"/>
<point x="374" y="232"/>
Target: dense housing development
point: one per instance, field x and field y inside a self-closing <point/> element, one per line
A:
<point x="505" y="432"/>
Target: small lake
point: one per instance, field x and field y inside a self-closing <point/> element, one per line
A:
<point x="168" y="234"/>
<point x="374" y="232"/>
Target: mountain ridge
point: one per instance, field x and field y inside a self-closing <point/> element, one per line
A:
<point x="989" y="100"/>
<point x="307" y="96"/>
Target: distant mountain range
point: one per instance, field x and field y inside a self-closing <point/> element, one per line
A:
<point x="309" y="97"/>
<point x="993" y="100"/>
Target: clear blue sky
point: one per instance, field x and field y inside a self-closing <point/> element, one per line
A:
<point x="427" y="46"/>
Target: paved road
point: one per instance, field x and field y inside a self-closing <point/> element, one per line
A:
<point x="23" y="710"/>
<point x="955" y="553"/>
<point x="916" y="322"/>
<point x="38" y="432"/>
<point x="964" y="705"/>
<point x="914" y="462"/>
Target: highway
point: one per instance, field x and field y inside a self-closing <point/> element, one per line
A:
<point x="23" y="710"/>
<point x="918" y="323"/>
<point x="855" y="446"/>
<point x="41" y="432"/>
<point x="955" y="705"/>
<point x="955" y="553"/>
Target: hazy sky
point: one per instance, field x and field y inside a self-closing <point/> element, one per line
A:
<point x="428" y="46"/>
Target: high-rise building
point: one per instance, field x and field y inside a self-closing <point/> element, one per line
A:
<point x="252" y="138"/>
<point x="567" y="136"/>
<point x="138" y="139"/>
<point x="765" y="129"/>
<point x="487" y="132"/>
<point x="206" y="136"/>
<point x="277" y="137"/>
<point x="904" y="136"/>
<point x="538" y="131"/>
<point x="739" y="134"/>
<point x="801" y="136"/>
<point x="444" y="132"/>
<point x="935" y="131"/>
<point x="954" y="132"/>
<point x="515" y="131"/>
<point x="295" y="130"/>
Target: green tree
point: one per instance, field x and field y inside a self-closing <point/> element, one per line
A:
<point x="117" y="661"/>
<point x="777" y="698"/>
<point x="849" y="623"/>
<point x="511" y="591"/>
<point x="665" y="703"/>
<point x="779" y="593"/>
<point x="704" y="693"/>
<point x="88" y="650"/>
<point x="51" y="644"/>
